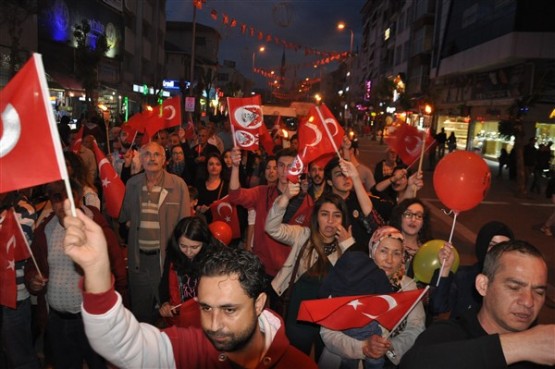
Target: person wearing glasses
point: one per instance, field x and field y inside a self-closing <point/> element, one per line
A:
<point x="190" y="245"/>
<point x="153" y="204"/>
<point x="412" y="218"/>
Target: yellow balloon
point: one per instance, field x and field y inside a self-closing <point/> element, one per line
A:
<point x="426" y="260"/>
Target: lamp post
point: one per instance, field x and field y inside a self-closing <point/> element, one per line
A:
<point x="341" y="26"/>
<point x="260" y="49"/>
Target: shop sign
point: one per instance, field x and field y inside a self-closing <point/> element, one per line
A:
<point x="190" y="104"/>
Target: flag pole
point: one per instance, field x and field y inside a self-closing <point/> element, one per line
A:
<point x="450" y="239"/>
<point x="53" y="131"/>
<point x="27" y="245"/>
<point x="231" y="125"/>
<point x="415" y="161"/>
<point x="421" y="157"/>
<point x="328" y="131"/>
<point x="408" y="311"/>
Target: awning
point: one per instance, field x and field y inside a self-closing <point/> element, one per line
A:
<point x="66" y="81"/>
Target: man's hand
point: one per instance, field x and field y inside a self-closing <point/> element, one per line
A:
<point x="166" y="310"/>
<point x="348" y="169"/>
<point x="85" y="244"/>
<point x="376" y="347"/>
<point x="236" y="156"/>
<point x="292" y="190"/>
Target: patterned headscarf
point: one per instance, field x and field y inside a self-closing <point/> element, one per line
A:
<point x="378" y="236"/>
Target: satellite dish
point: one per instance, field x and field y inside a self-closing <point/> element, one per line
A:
<point x="283" y="13"/>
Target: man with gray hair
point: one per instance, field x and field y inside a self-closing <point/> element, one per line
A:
<point x="154" y="202"/>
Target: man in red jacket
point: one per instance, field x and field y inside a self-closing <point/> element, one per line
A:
<point x="236" y="329"/>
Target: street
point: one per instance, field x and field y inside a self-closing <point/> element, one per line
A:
<point x="523" y="216"/>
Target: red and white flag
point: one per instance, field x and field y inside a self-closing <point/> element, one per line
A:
<point x="128" y="133"/>
<point x="245" y="116"/>
<point x="407" y="142"/>
<point x="113" y="188"/>
<point x="13" y="248"/>
<point x="319" y="134"/>
<point x="30" y="148"/>
<point x="171" y="109"/>
<point x="227" y="212"/>
<point x="340" y="313"/>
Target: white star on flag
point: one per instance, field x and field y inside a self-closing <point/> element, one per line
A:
<point x="105" y="182"/>
<point x="11" y="264"/>
<point x="228" y="219"/>
<point x="355" y="304"/>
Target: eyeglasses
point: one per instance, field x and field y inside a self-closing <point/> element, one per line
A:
<point x="410" y="215"/>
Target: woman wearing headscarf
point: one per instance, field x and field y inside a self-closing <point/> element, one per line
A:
<point x="386" y="252"/>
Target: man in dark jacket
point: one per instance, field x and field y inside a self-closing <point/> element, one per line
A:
<point x="502" y="333"/>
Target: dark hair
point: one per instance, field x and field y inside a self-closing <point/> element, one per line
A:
<point x="396" y="219"/>
<point x="262" y="170"/>
<point x="196" y="229"/>
<point x="316" y="243"/>
<point x="193" y="192"/>
<point x="217" y="156"/>
<point x="246" y="265"/>
<point x="79" y="170"/>
<point x="492" y="263"/>
<point x="330" y="166"/>
<point x="286" y="152"/>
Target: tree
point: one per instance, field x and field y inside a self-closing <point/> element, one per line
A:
<point x="89" y="52"/>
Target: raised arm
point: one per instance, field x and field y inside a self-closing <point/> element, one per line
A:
<point x="362" y="196"/>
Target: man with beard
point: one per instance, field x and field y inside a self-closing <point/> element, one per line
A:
<point x="316" y="175"/>
<point x="236" y="331"/>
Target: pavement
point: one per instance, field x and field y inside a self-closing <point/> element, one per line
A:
<point x="523" y="215"/>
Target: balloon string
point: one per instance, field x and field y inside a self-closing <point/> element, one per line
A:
<point x="450" y="238"/>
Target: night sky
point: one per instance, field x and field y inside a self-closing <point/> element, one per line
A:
<point x="309" y="23"/>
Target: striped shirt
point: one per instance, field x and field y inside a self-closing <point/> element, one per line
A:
<point x="149" y="220"/>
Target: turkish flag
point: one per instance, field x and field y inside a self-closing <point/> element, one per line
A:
<point x="30" y="148"/>
<point x="13" y="247"/>
<point x="318" y="132"/>
<point x="406" y="141"/>
<point x="266" y="139"/>
<point x="77" y="140"/>
<point x="154" y="121"/>
<point x="340" y="313"/>
<point x="189" y="130"/>
<point x="113" y="189"/>
<point x="172" y="112"/>
<point x="245" y="116"/>
<point x="227" y="212"/>
<point x="128" y="133"/>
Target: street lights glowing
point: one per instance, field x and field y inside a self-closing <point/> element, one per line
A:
<point x="341" y="26"/>
<point x="261" y="49"/>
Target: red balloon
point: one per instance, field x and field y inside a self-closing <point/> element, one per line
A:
<point x="461" y="180"/>
<point x="221" y="230"/>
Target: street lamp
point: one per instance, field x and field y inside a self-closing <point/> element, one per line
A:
<point x="341" y="26"/>
<point x="260" y="49"/>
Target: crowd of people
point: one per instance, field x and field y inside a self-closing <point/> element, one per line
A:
<point x="155" y="288"/>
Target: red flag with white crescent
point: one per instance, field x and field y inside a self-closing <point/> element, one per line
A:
<point x="407" y="141"/>
<point x="340" y="313"/>
<point x="319" y="134"/>
<point x="227" y="212"/>
<point x="13" y="248"/>
<point x="245" y="116"/>
<point x="113" y="189"/>
<point x="30" y="148"/>
<point x="172" y="112"/>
